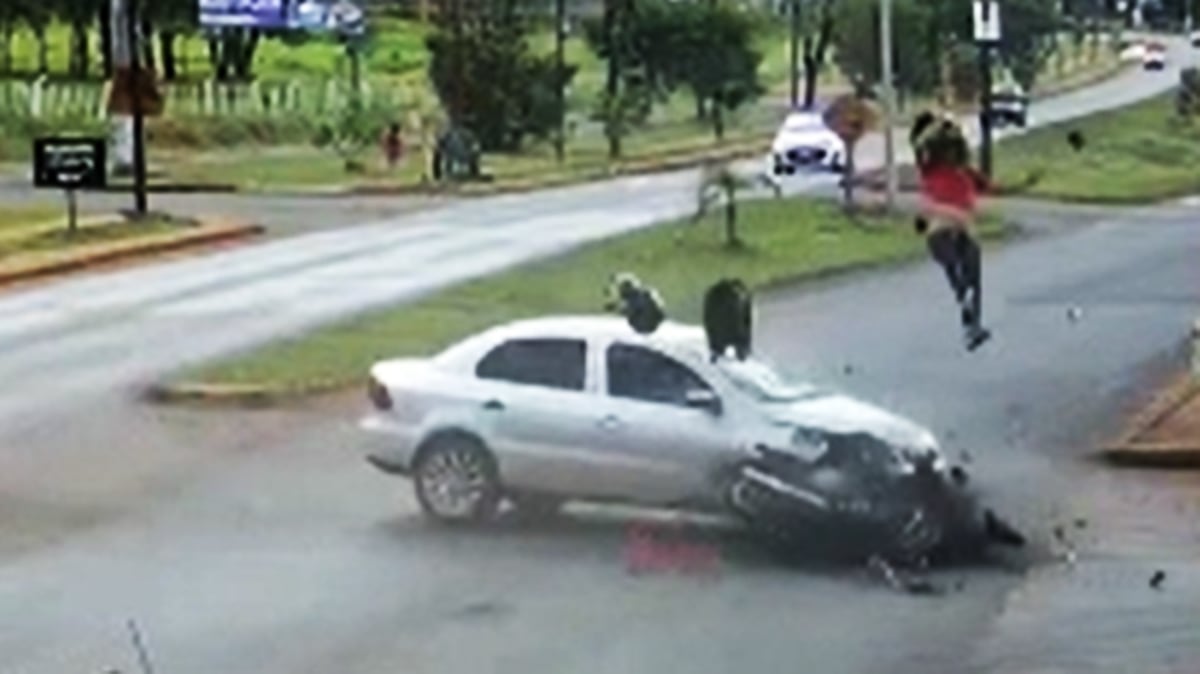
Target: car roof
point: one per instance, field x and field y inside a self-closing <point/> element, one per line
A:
<point x="608" y="327"/>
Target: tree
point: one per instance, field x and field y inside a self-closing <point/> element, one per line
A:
<point x="173" y="18"/>
<point x="489" y="80"/>
<point x="916" y="56"/>
<point x="36" y="14"/>
<point x="717" y="58"/>
<point x="816" y="35"/>
<point x="1024" y="44"/>
<point x="78" y="14"/>
<point x="625" y="40"/>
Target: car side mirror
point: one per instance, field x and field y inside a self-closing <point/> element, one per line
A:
<point x="702" y="399"/>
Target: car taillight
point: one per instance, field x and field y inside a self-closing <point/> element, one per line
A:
<point x="378" y="394"/>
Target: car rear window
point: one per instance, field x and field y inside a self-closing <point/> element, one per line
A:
<point x="553" y="363"/>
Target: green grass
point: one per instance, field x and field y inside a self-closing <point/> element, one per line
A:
<point x="1140" y="153"/>
<point x="14" y="219"/>
<point x="587" y="155"/>
<point x="787" y="240"/>
<point x="37" y="237"/>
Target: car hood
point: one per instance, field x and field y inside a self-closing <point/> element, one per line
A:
<point x="842" y="414"/>
<point x="789" y="140"/>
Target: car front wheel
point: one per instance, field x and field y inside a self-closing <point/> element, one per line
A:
<point x="456" y="480"/>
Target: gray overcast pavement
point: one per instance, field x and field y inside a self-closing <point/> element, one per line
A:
<point x="261" y="543"/>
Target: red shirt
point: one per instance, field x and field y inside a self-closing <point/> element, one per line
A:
<point x="952" y="187"/>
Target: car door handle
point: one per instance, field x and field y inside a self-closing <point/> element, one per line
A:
<point x="609" y="422"/>
<point x="493" y="405"/>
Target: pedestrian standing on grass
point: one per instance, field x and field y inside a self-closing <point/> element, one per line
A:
<point x="393" y="146"/>
<point x="950" y="191"/>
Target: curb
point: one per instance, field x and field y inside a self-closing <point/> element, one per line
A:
<point x="172" y="188"/>
<point x="131" y="250"/>
<point x="236" y="395"/>
<point x="672" y="161"/>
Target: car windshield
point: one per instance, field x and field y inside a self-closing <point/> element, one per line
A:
<point x="763" y="382"/>
<point x="797" y="123"/>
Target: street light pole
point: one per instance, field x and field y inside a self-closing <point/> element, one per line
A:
<point x="889" y="101"/>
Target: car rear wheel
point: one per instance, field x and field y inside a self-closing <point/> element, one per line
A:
<point x="456" y="480"/>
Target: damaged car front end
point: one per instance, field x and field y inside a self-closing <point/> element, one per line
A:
<point x="861" y="498"/>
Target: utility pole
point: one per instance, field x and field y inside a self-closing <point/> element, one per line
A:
<point x="889" y="101"/>
<point x="794" y="5"/>
<point x="987" y="35"/>
<point x="560" y="38"/>
<point x="131" y="53"/>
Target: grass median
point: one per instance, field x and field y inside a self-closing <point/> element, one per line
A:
<point x="786" y="240"/>
<point x="1137" y="154"/>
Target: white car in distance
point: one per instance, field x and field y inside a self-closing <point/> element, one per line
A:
<point x="583" y="408"/>
<point x="805" y="143"/>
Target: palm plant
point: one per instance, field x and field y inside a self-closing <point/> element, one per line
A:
<point x="721" y="183"/>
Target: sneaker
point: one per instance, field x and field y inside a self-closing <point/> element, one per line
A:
<point x="976" y="336"/>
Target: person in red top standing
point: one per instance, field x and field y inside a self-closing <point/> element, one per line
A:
<point x="950" y="191"/>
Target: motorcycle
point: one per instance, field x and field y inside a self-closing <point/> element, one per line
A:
<point x="860" y="500"/>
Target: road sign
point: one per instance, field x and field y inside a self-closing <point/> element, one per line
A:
<point x="69" y="163"/>
<point x="124" y="89"/>
<point x="987" y="21"/>
<point x="850" y="117"/>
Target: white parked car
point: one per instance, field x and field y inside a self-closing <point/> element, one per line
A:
<point x="547" y="410"/>
<point x="805" y="142"/>
<point x="1155" y="57"/>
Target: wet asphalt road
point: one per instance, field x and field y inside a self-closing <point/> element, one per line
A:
<point x="260" y="542"/>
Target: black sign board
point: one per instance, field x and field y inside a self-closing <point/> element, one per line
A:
<point x="69" y="163"/>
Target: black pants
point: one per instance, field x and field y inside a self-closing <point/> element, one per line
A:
<point x="958" y="254"/>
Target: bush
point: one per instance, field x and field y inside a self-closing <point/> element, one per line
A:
<point x="17" y="132"/>
<point x="197" y="132"/>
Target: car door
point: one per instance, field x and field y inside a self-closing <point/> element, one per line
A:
<point x="657" y="448"/>
<point x="535" y="403"/>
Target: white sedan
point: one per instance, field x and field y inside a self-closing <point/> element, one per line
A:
<point x="548" y="410"/>
<point x="805" y="142"/>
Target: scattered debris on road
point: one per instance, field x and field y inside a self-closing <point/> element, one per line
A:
<point x="1157" y="579"/>
<point x="902" y="582"/>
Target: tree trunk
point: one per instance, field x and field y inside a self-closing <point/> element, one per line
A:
<point x="166" y="40"/>
<point x="848" y="178"/>
<point x="79" y="49"/>
<point x="810" y="82"/>
<point x="6" y="57"/>
<point x="612" y="84"/>
<point x="718" y="120"/>
<point x="147" y="38"/>
<point x="731" y="235"/>
<point x="216" y="58"/>
<point x="106" y="55"/>
<point x="43" y="50"/>
<point x="701" y="109"/>
<point x="243" y="53"/>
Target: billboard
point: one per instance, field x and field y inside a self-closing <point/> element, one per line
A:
<point x="336" y="16"/>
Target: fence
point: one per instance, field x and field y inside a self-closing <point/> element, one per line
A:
<point x="40" y="99"/>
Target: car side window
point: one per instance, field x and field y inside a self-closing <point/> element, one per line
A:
<point x="553" y="363"/>
<point x="642" y="374"/>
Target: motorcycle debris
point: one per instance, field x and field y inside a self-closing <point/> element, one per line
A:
<point x="1157" y="579"/>
<point x="901" y="582"/>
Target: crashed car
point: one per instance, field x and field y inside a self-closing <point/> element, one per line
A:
<point x="805" y="143"/>
<point x="543" y="411"/>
